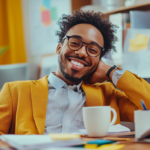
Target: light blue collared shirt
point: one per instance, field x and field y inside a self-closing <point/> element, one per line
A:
<point x="64" y="107"/>
<point x="65" y="103"/>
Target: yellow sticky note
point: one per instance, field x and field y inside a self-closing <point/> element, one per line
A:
<point x="90" y="146"/>
<point x="61" y="136"/>
<point x="111" y="147"/>
<point x="140" y="42"/>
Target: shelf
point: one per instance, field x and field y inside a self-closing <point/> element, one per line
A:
<point x="77" y="4"/>
<point x="145" y="6"/>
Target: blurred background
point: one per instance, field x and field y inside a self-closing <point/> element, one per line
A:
<point x="28" y="42"/>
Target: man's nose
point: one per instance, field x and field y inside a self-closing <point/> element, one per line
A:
<point x="82" y="51"/>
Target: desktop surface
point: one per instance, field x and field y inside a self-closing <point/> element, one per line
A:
<point x="129" y="143"/>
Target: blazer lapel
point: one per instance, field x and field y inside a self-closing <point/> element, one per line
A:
<point x="39" y="96"/>
<point x="94" y="96"/>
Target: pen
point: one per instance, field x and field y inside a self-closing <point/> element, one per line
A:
<point x="143" y="105"/>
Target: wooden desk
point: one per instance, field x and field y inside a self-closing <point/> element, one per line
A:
<point x="129" y="145"/>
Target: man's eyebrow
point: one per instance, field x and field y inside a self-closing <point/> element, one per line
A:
<point x="95" y="43"/>
<point x="77" y="36"/>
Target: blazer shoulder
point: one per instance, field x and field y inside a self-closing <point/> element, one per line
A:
<point x="26" y="84"/>
<point x="106" y="87"/>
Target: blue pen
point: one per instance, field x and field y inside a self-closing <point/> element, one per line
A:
<point x="143" y="105"/>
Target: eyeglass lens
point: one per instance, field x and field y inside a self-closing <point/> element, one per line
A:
<point x="75" y="44"/>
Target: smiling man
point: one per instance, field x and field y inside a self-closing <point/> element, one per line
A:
<point x="54" y="103"/>
<point x="80" y="55"/>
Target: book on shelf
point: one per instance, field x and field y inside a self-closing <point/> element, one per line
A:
<point x="140" y="19"/>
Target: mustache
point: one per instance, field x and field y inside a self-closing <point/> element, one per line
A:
<point x="69" y="57"/>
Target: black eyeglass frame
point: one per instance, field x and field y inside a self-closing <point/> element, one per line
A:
<point x="68" y="37"/>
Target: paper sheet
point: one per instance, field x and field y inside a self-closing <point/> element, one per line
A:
<point x="140" y="42"/>
<point x="137" y="62"/>
<point x="118" y="128"/>
<point x="26" y="141"/>
<point x="34" y="142"/>
<point x="115" y="129"/>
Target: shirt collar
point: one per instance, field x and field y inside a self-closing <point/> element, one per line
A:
<point x="79" y="89"/>
<point x="58" y="83"/>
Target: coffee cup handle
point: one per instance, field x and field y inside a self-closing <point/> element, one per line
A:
<point x="114" y="117"/>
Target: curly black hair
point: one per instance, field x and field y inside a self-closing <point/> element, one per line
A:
<point x="94" y="18"/>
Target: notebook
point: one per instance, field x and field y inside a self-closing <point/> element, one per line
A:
<point x="32" y="142"/>
<point x="115" y="129"/>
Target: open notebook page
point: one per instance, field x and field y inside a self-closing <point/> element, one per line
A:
<point x="115" y="129"/>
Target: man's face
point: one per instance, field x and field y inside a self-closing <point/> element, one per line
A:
<point x="77" y="65"/>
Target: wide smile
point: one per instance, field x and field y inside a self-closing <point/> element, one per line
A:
<point x="77" y="64"/>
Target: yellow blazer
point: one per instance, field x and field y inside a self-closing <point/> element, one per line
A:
<point x="23" y="104"/>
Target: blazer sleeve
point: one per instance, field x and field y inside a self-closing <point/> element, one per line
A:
<point x="5" y="109"/>
<point x="133" y="89"/>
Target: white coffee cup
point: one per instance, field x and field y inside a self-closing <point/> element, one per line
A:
<point x="97" y="120"/>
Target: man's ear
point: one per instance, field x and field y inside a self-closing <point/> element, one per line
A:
<point x="58" y="49"/>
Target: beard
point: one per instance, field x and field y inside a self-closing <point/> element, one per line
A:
<point x="69" y="77"/>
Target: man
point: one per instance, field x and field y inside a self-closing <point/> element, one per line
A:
<point x="54" y="103"/>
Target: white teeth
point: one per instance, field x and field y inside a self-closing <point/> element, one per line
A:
<point x="77" y="63"/>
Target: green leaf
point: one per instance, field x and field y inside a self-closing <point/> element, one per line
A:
<point x="3" y="49"/>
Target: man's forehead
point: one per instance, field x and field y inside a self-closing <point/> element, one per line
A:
<point x="84" y="27"/>
<point x="87" y="32"/>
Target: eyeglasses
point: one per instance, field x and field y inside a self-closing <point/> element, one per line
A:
<point x="75" y="44"/>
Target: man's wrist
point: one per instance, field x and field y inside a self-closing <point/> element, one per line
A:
<point x="110" y="71"/>
<point x="106" y="70"/>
